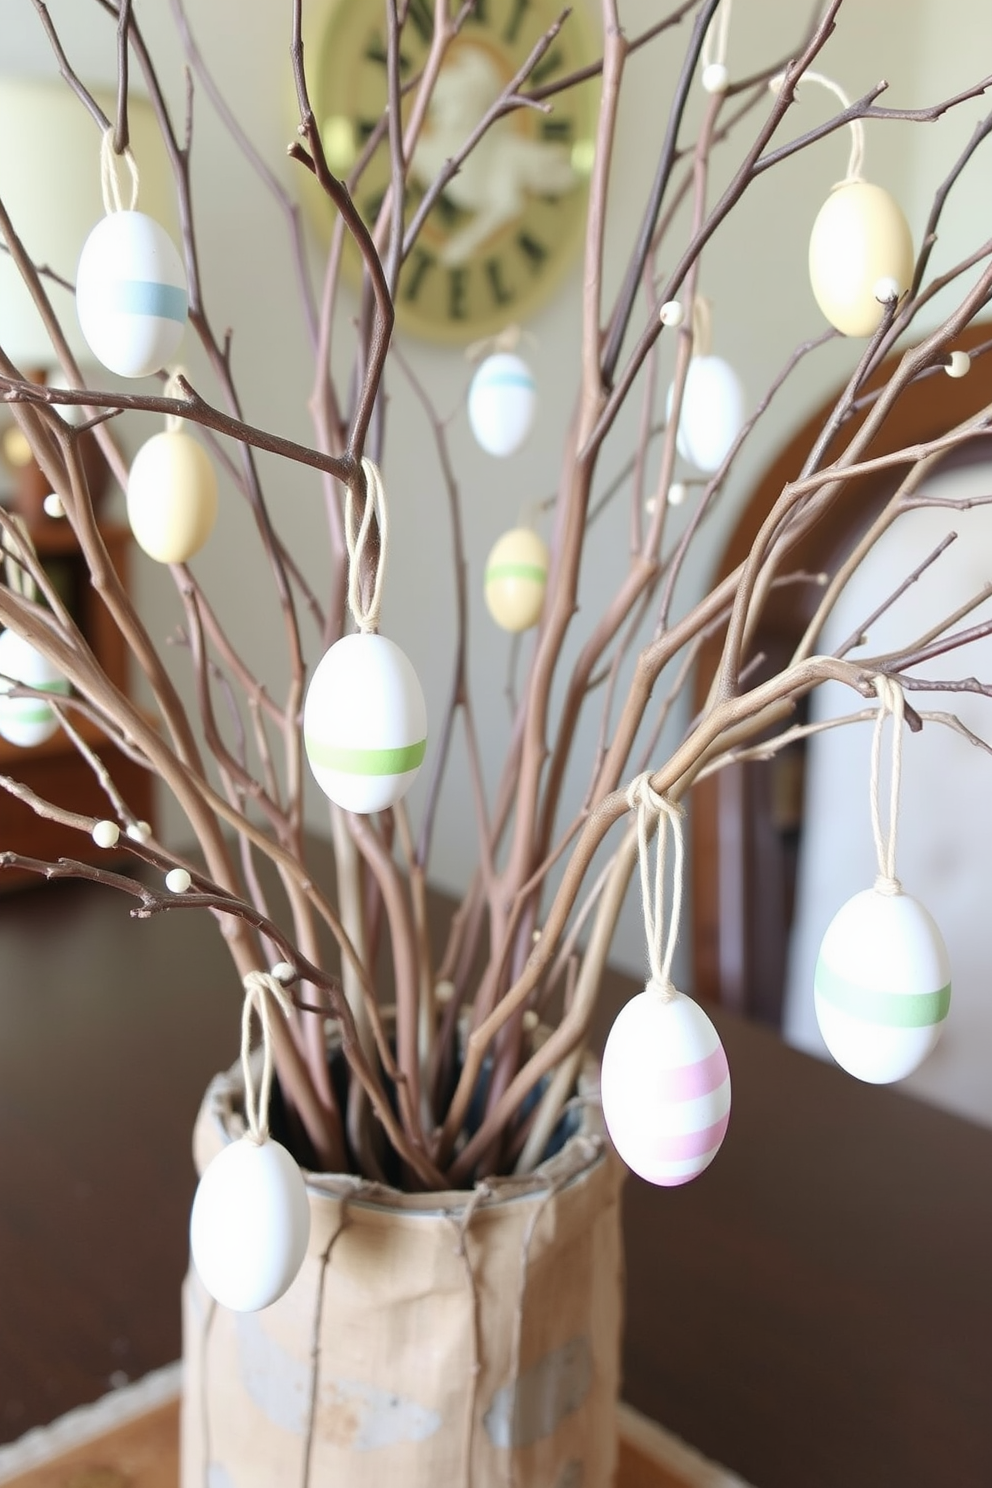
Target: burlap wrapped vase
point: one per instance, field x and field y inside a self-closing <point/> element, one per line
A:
<point x="445" y="1340"/>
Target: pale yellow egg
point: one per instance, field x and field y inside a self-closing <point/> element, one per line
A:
<point x="516" y="578"/>
<point x="860" y="237"/>
<point x="172" y="497"/>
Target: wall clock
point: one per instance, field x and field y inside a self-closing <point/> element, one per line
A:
<point x="508" y="225"/>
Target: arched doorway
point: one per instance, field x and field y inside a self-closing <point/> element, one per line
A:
<point x="746" y="819"/>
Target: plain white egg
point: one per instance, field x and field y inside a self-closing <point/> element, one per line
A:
<point x="712" y="413"/>
<point x="27" y="721"/>
<point x="502" y="401"/>
<point x="365" y="723"/>
<point x="172" y="497"/>
<point x="250" y="1224"/>
<point x="665" y="1087"/>
<point x="516" y="579"/>
<point x="860" y="237"/>
<point x="131" y="294"/>
<point x="882" y="986"/>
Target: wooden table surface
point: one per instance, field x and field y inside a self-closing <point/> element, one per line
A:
<point x="815" y="1310"/>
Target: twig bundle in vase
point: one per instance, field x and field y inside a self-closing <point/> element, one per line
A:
<point x="471" y="1078"/>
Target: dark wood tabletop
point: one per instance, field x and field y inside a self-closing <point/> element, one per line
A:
<point x="815" y="1310"/>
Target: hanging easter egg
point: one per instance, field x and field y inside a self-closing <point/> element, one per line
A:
<point x="860" y="237"/>
<point x="665" y="1087"/>
<point x="365" y="723"/>
<point x="26" y="721"/>
<point x="172" y="497"/>
<point x="502" y="400"/>
<point x="882" y="986"/>
<point x="131" y="295"/>
<point x="250" y="1224"/>
<point x="712" y="413"/>
<point x="516" y="578"/>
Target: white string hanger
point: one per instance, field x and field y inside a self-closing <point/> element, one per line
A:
<point x="174" y="422"/>
<point x="262" y="991"/>
<point x="110" y="176"/>
<point x="357" y="536"/>
<point x="250" y="1224"/>
<point x="891" y="704"/>
<point x="656" y="811"/>
<point x="856" y="158"/>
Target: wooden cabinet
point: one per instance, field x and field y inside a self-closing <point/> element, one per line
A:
<point x="54" y="770"/>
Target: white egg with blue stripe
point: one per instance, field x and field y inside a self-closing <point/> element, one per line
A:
<point x="131" y="294"/>
<point x="502" y="401"/>
<point x="365" y="723"/>
<point x="882" y="986"/>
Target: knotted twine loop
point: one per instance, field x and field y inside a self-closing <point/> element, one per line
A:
<point x="714" y="52"/>
<point x="653" y="808"/>
<point x="702" y="326"/>
<point x="856" y="158"/>
<point x="507" y="339"/>
<point x="110" y="182"/>
<point x="173" y="389"/>
<point x="261" y="990"/>
<point x="890" y="701"/>
<point x="366" y="616"/>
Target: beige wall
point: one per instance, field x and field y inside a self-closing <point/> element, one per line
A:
<point x="754" y="273"/>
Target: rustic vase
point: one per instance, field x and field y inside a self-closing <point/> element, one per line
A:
<point x="443" y="1340"/>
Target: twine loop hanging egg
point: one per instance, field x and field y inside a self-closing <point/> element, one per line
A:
<point x="172" y="497"/>
<point x="250" y="1224"/>
<point x="26" y="721"/>
<point x="712" y="412"/>
<point x="860" y="237"/>
<point x="502" y="401"/>
<point x="665" y="1087"/>
<point x="516" y="579"/>
<point x="365" y="723"/>
<point x="882" y="986"/>
<point x="131" y="294"/>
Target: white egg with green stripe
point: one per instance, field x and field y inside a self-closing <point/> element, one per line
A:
<point x="26" y="721"/>
<point x="365" y="723"/>
<point x="131" y="294"/>
<point x="882" y="986"/>
<point x="516" y="579"/>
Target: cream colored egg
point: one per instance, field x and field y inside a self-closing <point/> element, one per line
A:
<point x="26" y="721"/>
<point x="859" y="237"/>
<point x="172" y="497"/>
<point x="516" y="579"/>
<point x="250" y="1224"/>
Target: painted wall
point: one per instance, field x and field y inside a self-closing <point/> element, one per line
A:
<point x="754" y="273"/>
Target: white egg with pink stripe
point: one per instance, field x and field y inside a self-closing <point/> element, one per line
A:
<point x="665" y="1087"/>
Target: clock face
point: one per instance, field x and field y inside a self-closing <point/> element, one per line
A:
<point x="508" y="224"/>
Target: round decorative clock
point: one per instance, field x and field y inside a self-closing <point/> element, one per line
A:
<point x="508" y="223"/>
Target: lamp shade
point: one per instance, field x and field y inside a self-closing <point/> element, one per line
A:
<point x="50" y="186"/>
